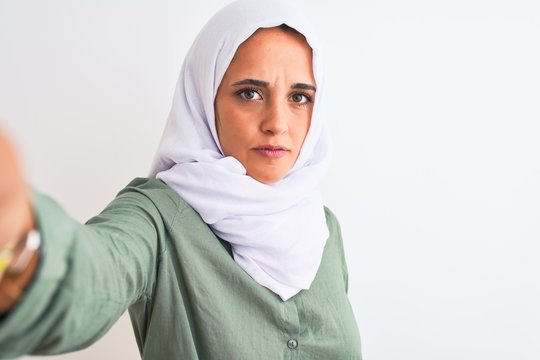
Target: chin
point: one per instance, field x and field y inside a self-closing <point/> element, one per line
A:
<point x="267" y="178"/>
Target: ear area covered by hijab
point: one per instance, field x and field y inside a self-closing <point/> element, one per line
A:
<point x="278" y="231"/>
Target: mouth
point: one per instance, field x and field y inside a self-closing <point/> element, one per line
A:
<point x="271" y="151"/>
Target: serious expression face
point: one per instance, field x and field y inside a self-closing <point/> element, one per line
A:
<point x="264" y="103"/>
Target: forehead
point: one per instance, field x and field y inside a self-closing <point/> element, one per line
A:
<point x="276" y="33"/>
<point x="265" y="40"/>
<point x="272" y="50"/>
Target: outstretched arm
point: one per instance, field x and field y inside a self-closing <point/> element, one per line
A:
<point x="87" y="275"/>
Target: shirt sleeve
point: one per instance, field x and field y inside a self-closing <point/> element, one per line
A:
<point x="87" y="276"/>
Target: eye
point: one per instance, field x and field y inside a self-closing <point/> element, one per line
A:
<point x="300" y="98"/>
<point x="249" y="94"/>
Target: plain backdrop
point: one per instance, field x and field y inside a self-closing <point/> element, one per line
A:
<point x="434" y="111"/>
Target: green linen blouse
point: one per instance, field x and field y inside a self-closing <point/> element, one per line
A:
<point x="149" y="251"/>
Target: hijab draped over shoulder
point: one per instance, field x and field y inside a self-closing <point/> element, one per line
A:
<point x="278" y="231"/>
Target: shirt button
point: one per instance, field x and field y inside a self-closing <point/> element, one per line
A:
<point x="292" y="344"/>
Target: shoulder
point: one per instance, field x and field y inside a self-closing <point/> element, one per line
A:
<point x="154" y="193"/>
<point x="332" y="221"/>
<point x="335" y="237"/>
<point x="154" y="189"/>
<point x="335" y="241"/>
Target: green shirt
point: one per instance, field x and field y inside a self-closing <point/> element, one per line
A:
<point x="149" y="251"/>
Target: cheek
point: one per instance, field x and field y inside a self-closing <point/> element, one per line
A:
<point x="231" y="128"/>
<point x="223" y="125"/>
<point x="301" y="128"/>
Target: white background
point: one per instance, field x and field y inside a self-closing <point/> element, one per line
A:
<point x="434" y="110"/>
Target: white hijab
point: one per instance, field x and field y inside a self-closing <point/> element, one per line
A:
<point x="277" y="232"/>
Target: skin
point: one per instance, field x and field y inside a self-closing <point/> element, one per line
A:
<point x="16" y="220"/>
<point x="266" y="99"/>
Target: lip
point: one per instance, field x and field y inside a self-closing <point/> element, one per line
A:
<point x="271" y="151"/>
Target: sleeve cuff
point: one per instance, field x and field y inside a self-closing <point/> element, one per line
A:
<point x="18" y="331"/>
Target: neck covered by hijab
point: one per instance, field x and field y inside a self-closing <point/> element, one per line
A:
<point x="277" y="231"/>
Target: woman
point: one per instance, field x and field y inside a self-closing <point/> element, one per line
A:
<point x="226" y="251"/>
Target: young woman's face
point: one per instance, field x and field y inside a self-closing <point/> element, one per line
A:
<point x="264" y="103"/>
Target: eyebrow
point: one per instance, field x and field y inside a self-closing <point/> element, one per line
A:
<point x="303" y="86"/>
<point x="255" y="82"/>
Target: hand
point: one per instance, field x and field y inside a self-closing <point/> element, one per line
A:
<point x="16" y="215"/>
<point x="16" y="220"/>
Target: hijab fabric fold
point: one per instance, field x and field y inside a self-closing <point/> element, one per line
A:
<point x="278" y="231"/>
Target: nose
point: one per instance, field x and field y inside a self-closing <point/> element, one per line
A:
<point x="275" y="119"/>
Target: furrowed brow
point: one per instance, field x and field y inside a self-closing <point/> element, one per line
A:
<point x="252" y="82"/>
<point x="303" y="86"/>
